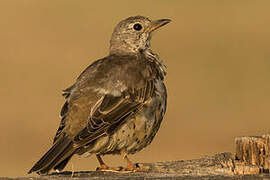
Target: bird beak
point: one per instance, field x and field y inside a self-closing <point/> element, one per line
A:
<point x="157" y="24"/>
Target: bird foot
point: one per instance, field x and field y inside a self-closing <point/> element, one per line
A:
<point x="136" y="168"/>
<point x="104" y="167"/>
<point x="120" y="169"/>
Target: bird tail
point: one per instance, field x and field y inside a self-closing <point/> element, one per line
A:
<point x="57" y="157"/>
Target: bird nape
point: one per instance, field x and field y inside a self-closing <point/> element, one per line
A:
<point x="116" y="105"/>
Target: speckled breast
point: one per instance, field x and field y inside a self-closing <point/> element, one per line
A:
<point x="138" y="131"/>
<point x="147" y="122"/>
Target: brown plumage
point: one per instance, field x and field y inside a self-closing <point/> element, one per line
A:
<point x="117" y="103"/>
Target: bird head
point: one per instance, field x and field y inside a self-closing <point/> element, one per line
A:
<point x="133" y="34"/>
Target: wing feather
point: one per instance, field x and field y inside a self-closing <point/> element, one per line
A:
<point x="112" y="111"/>
<point x="131" y="78"/>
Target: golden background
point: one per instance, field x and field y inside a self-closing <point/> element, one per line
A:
<point x="218" y="58"/>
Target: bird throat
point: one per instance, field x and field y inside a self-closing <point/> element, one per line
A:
<point x="150" y="55"/>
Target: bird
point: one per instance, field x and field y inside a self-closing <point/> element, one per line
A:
<point x="117" y="103"/>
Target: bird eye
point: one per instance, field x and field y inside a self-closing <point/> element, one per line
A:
<point x="137" y="27"/>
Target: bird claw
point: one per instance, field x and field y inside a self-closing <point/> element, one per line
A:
<point x="135" y="168"/>
<point x="109" y="169"/>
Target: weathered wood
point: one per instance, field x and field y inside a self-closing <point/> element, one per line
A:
<point x="254" y="150"/>
<point x="251" y="161"/>
<point x="219" y="166"/>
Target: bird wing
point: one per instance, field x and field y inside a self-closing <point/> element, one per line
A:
<point x="104" y="95"/>
<point x="64" y="111"/>
<point x="111" y="111"/>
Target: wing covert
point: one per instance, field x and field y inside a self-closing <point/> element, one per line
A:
<point x="111" y="111"/>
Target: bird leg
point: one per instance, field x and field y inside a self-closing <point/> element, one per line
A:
<point x="103" y="166"/>
<point x="130" y="165"/>
<point x="101" y="162"/>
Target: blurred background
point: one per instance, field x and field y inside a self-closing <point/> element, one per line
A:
<point x="217" y="54"/>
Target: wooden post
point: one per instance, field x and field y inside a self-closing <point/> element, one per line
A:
<point x="254" y="150"/>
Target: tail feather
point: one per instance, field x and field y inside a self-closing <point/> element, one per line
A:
<point x="58" y="160"/>
<point x="57" y="152"/>
<point x="62" y="164"/>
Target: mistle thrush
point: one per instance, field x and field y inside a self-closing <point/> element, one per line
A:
<point x="117" y="103"/>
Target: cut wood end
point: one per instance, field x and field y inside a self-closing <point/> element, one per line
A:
<point x="252" y="154"/>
